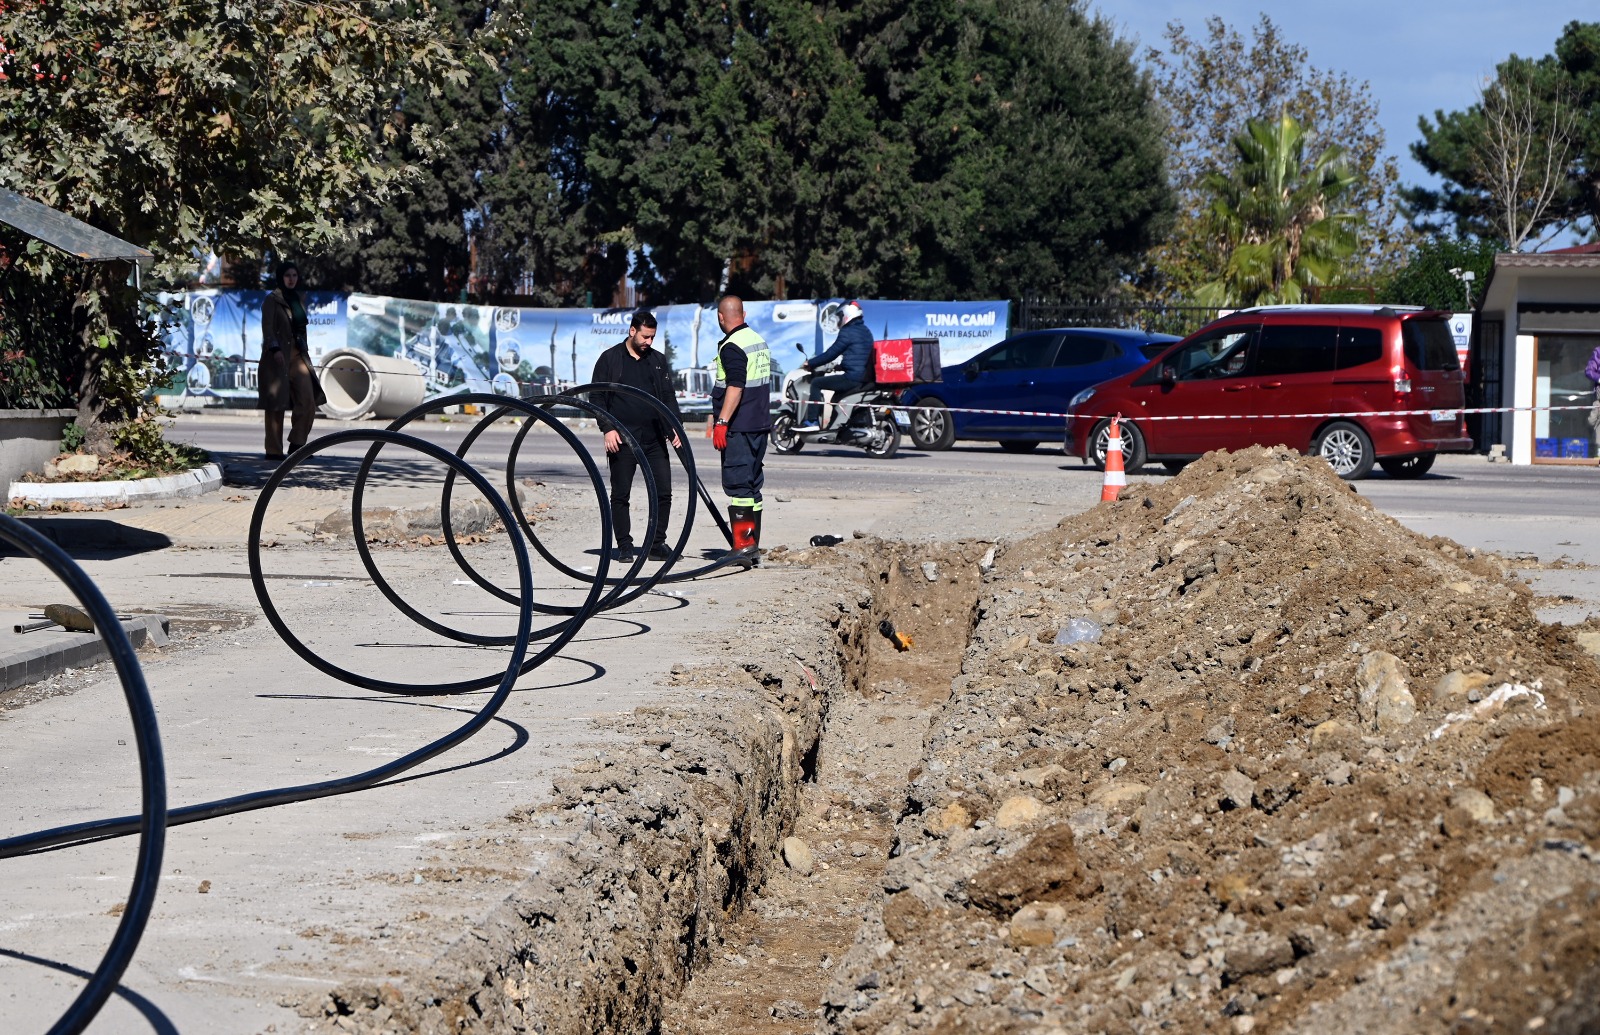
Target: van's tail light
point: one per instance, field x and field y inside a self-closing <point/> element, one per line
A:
<point x="1402" y="383"/>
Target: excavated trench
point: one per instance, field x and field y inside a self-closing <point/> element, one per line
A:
<point x="779" y="956"/>
<point x="663" y="895"/>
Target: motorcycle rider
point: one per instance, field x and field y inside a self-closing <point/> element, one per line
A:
<point x="854" y="344"/>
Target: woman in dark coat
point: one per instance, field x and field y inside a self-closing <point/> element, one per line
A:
<point x="286" y="380"/>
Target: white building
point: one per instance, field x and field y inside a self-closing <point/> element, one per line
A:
<point x="1537" y="325"/>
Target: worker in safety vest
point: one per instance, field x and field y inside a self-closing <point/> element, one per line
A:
<point x="740" y="406"/>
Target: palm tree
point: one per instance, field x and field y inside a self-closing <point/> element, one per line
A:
<point x="1284" y="223"/>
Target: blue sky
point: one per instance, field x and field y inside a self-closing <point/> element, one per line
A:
<point x="1417" y="55"/>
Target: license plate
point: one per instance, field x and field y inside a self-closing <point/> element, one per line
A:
<point x="1443" y="416"/>
<point x="902" y="418"/>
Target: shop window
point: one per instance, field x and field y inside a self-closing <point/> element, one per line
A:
<point x="1560" y="381"/>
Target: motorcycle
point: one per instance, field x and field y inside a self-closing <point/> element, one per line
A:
<point x="859" y="418"/>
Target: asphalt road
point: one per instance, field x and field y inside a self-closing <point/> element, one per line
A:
<point x="1457" y="487"/>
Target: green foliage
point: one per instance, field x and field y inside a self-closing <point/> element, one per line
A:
<point x="146" y="453"/>
<point x="25" y="384"/>
<point x="72" y="437"/>
<point x="780" y="148"/>
<point x="414" y="244"/>
<point x="1426" y="280"/>
<point x="1283" y="220"/>
<point x="1452" y="145"/>
<point x="231" y="127"/>
<point x="1211" y="85"/>
<point x="36" y="333"/>
<point x="133" y="449"/>
<point x="1031" y="147"/>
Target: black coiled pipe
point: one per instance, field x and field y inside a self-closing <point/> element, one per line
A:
<point x="151" y="823"/>
<point x="99" y="829"/>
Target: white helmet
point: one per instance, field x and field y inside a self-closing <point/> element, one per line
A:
<point x="849" y="311"/>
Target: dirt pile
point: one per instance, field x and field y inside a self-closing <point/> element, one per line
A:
<point x="1316" y="772"/>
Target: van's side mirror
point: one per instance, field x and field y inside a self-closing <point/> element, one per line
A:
<point x="1169" y="375"/>
<point x="972" y="372"/>
<point x="800" y="348"/>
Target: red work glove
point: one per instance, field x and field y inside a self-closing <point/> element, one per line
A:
<point x="719" y="437"/>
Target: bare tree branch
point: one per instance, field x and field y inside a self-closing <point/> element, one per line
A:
<point x="1524" y="152"/>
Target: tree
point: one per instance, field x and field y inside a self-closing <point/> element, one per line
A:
<point x="1211" y="86"/>
<point x="1034" y="146"/>
<point x="1431" y="273"/>
<point x="930" y="148"/>
<point x="1283" y="221"/>
<point x="237" y="127"/>
<point x="1522" y="157"/>
<point x="780" y="147"/>
<point x="1534" y="114"/>
<point x="415" y="243"/>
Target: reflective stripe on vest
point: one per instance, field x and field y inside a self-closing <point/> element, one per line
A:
<point x="758" y="358"/>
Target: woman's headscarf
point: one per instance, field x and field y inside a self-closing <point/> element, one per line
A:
<point x="291" y="295"/>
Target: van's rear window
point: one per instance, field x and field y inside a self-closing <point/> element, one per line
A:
<point x="1429" y="345"/>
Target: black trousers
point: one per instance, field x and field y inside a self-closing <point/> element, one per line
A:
<point x="623" y="463"/>
<point x="743" y="473"/>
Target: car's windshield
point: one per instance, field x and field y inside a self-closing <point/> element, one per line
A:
<point x="1222" y="354"/>
<point x="1022" y="353"/>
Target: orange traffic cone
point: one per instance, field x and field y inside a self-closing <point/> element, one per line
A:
<point x="1116" y="479"/>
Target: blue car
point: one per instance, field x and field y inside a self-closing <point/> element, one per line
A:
<point x="1037" y="371"/>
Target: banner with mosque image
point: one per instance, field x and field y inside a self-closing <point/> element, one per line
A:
<point x="214" y="339"/>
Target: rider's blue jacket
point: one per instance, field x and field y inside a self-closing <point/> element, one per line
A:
<point x="855" y="345"/>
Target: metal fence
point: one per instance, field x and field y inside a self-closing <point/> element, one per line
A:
<point x="1035" y="313"/>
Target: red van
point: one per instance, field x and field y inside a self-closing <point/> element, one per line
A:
<point x="1317" y="378"/>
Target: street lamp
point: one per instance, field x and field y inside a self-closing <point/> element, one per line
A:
<point x="1466" y="277"/>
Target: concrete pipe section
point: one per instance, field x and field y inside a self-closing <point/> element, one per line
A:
<point x="359" y="384"/>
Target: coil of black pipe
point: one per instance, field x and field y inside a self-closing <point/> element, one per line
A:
<point x="603" y="593"/>
<point x="151" y="823"/>
<point x="100" y="829"/>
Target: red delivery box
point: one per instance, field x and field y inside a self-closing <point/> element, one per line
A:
<point x="907" y="361"/>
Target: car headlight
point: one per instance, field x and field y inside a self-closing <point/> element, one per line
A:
<point x="1081" y="398"/>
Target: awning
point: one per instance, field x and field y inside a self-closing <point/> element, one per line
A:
<point x="73" y="236"/>
<point x="1558" y="318"/>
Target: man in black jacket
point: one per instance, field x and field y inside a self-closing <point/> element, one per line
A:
<point x="634" y="362"/>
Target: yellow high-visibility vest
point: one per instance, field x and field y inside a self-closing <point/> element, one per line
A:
<point x="758" y="358"/>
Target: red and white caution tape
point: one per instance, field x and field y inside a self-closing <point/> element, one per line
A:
<point x="1443" y="413"/>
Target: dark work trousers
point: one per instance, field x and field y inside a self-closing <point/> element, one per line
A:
<point x="741" y="468"/>
<point x="840" y="385"/>
<point x="623" y="463"/>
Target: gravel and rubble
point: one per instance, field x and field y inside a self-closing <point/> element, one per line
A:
<point x="1317" y="772"/>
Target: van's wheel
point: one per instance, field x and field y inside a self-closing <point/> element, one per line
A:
<point x="1175" y="466"/>
<point x="885" y="440"/>
<point x="1347" y="449"/>
<point x="784" y="438"/>
<point x="1133" y="454"/>
<point x="1019" y="447"/>
<point x="933" y="427"/>
<point x="1407" y="466"/>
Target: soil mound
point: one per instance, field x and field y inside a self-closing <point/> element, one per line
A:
<point x="1316" y="772"/>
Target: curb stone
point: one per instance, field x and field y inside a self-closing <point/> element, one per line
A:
<point x="195" y="482"/>
<point x="75" y="650"/>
